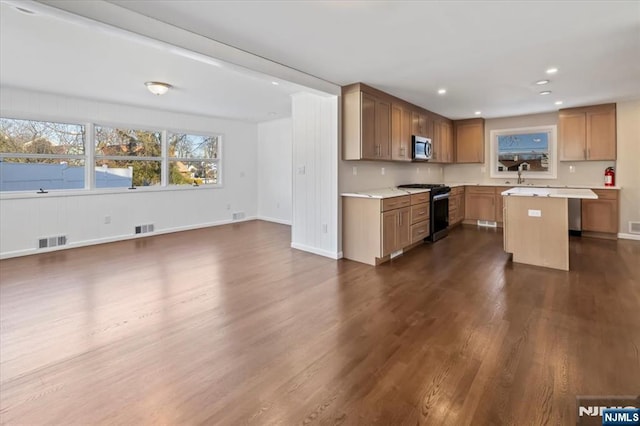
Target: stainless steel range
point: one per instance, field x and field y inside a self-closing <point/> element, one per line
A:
<point x="439" y="208"/>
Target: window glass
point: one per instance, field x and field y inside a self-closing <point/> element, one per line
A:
<point x="41" y="154"/>
<point x="127" y="173"/>
<point x="182" y="145"/>
<point x="193" y="172"/>
<point x="127" y="142"/>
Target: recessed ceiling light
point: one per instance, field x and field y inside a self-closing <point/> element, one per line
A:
<point x="275" y="83"/>
<point x="541" y="82"/>
<point x="552" y="70"/>
<point x="558" y="102"/>
<point x="478" y="112"/>
<point x="442" y="91"/>
<point x="546" y="92"/>
<point x="273" y="114"/>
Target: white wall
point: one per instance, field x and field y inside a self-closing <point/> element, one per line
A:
<point x="274" y="170"/>
<point x="315" y="174"/>
<point x="81" y="217"/>
<point x="586" y="172"/>
<point x="628" y="171"/>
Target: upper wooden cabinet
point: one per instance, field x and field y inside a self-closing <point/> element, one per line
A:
<point x="366" y="125"/>
<point x="468" y="140"/>
<point x="421" y="125"/>
<point x="587" y="133"/>
<point x="442" y="141"/>
<point x="401" y="122"/>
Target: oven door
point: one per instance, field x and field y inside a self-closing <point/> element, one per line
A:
<point x="439" y="216"/>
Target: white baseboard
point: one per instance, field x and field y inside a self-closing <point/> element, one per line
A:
<point x="626" y="236"/>
<point x="318" y="251"/>
<point x="116" y="238"/>
<point x="274" y="220"/>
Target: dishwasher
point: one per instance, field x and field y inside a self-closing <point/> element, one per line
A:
<point x="575" y="216"/>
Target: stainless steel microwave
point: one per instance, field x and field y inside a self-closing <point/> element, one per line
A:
<point x="420" y="148"/>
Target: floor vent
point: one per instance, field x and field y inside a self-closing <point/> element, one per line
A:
<point x="143" y="229"/>
<point x="60" y="240"/>
<point x="634" y="227"/>
<point x="488" y="223"/>
<point x="238" y="216"/>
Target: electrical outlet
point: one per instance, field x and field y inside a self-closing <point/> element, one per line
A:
<point x="417" y="170"/>
<point x="483" y="169"/>
<point x="572" y="169"/>
<point x="355" y="171"/>
<point x="277" y="205"/>
<point x="382" y="170"/>
<point x="325" y="228"/>
<point x="228" y="206"/>
<point x="107" y="220"/>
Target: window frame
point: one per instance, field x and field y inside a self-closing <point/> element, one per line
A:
<point x="81" y="157"/>
<point x="217" y="161"/>
<point x="494" y="152"/>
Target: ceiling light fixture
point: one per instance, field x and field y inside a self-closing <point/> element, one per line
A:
<point x="157" y="87"/>
<point x="541" y="82"/>
<point x="552" y="70"/>
<point x="558" y="102"/>
<point x="546" y="92"/>
<point x="442" y="91"/>
<point x="478" y="112"/>
<point x="23" y="10"/>
<point x="275" y="83"/>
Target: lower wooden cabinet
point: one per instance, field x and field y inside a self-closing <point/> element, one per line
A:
<point x="456" y="206"/>
<point x="480" y="203"/>
<point x="500" y="202"/>
<point x="396" y="230"/>
<point x="373" y="228"/>
<point x="601" y="215"/>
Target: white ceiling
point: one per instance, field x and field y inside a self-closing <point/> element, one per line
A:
<point x="488" y="55"/>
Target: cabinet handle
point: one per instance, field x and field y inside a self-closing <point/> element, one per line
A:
<point x="588" y="153"/>
<point x="584" y="154"/>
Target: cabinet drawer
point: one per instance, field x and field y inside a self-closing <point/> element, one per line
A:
<point x="423" y="197"/>
<point x="607" y="194"/>
<point x="419" y="212"/>
<point x="396" y="203"/>
<point x="419" y="231"/>
<point x="459" y="190"/>
<point x="480" y="190"/>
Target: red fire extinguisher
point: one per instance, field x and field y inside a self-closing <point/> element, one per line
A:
<point x="609" y="177"/>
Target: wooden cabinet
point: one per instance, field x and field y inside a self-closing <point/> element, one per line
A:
<point x="500" y="202"/>
<point x="401" y="122"/>
<point x="587" y="133"/>
<point x="396" y="230"/>
<point x="456" y="206"/>
<point x="366" y="125"/>
<point x="468" y="140"/>
<point x="373" y="228"/>
<point x="442" y="141"/>
<point x="420" y="213"/>
<point x="480" y="203"/>
<point x="420" y="124"/>
<point x="601" y="215"/>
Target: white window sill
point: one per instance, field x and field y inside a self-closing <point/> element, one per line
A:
<point x="15" y="195"/>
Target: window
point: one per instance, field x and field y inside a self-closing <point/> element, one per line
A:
<point x="40" y="154"/>
<point x="529" y="151"/>
<point x="48" y="155"/>
<point x="193" y="159"/>
<point x="127" y="157"/>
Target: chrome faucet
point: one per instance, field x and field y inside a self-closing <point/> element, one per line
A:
<point x="520" y="178"/>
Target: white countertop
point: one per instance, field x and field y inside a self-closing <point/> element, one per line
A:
<point x="527" y="185"/>
<point x="384" y="192"/>
<point x="551" y="192"/>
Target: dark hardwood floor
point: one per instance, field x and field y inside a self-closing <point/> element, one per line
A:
<point x="231" y="326"/>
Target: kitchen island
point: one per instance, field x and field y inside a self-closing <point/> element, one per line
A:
<point x="536" y="224"/>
